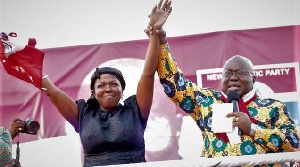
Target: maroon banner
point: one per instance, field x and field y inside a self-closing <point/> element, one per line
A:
<point x="68" y="67"/>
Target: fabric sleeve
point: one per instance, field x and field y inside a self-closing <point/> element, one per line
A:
<point x="184" y="93"/>
<point x="5" y="147"/>
<point x="282" y="135"/>
<point x="80" y="104"/>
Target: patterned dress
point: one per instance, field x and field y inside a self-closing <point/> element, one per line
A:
<point x="5" y="147"/>
<point x="276" y="131"/>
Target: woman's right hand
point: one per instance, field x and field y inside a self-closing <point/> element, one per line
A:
<point x="159" y="14"/>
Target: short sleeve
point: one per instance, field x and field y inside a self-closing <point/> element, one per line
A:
<point x="131" y="102"/>
<point x="81" y="108"/>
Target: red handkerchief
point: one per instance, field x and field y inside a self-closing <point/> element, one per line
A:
<point x="25" y="64"/>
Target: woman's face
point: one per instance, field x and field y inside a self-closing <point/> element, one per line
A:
<point x="108" y="91"/>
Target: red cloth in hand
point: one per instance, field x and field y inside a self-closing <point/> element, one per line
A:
<point x="26" y="64"/>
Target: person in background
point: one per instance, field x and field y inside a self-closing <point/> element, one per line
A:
<point x="296" y="164"/>
<point x="6" y="137"/>
<point x="111" y="132"/>
<point x="265" y="123"/>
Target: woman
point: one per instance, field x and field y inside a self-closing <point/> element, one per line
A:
<point x="111" y="132"/>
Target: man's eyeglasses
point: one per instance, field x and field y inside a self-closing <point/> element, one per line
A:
<point x="239" y="74"/>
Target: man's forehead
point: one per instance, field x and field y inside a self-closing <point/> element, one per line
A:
<point x="237" y="63"/>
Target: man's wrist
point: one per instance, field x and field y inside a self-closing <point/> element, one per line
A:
<point x="163" y="42"/>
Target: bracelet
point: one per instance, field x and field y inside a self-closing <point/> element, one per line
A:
<point x="45" y="76"/>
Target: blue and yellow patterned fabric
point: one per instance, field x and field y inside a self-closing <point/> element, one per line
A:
<point x="276" y="131"/>
<point x="5" y="147"/>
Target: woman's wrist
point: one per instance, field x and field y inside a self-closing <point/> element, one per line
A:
<point x="43" y="78"/>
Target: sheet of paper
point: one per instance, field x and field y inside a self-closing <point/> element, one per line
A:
<point x="221" y="123"/>
<point x="233" y="136"/>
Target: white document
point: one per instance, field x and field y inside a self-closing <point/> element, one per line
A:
<point x="223" y="124"/>
<point x="233" y="136"/>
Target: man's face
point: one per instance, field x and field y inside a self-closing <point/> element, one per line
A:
<point x="237" y="76"/>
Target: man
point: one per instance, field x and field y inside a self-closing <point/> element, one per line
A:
<point x="6" y="137"/>
<point x="265" y="123"/>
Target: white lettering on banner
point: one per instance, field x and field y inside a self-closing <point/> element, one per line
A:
<point x="278" y="71"/>
<point x="259" y="73"/>
<point x="213" y="77"/>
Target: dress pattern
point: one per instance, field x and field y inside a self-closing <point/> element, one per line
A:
<point x="5" y="147"/>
